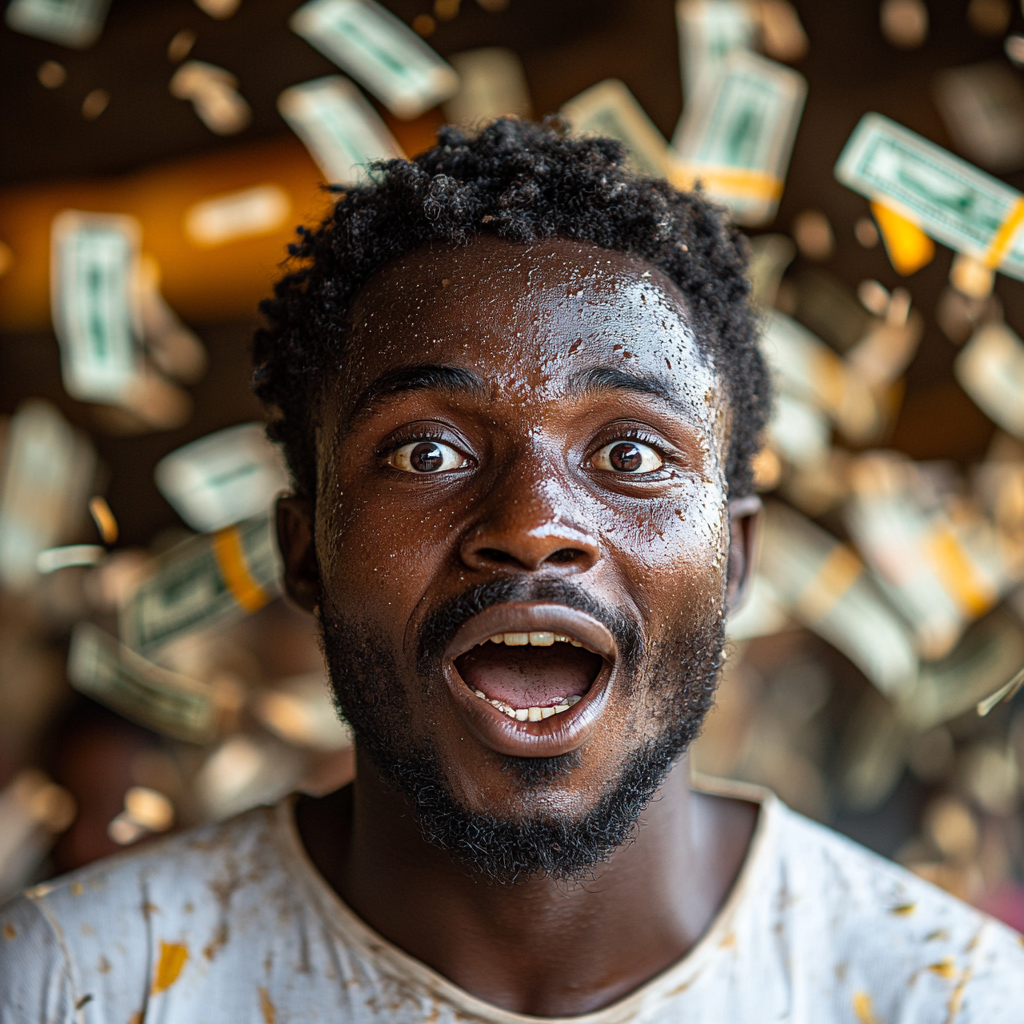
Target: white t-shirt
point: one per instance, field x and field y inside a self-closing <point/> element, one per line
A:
<point x="232" y="924"/>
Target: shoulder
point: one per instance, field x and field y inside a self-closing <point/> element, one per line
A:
<point x="892" y="940"/>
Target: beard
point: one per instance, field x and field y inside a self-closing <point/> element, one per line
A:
<point x="677" y="680"/>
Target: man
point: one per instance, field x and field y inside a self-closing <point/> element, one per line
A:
<point x="519" y="391"/>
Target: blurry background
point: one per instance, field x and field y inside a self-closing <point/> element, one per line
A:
<point x="154" y="160"/>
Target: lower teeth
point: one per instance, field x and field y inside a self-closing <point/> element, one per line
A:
<point x="534" y="714"/>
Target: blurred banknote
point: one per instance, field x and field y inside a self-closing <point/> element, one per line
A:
<point x="342" y="132"/>
<point x="769" y="257"/>
<point x="168" y="703"/>
<point x="804" y="367"/>
<point x="826" y="587"/>
<point x="94" y="264"/>
<point x="709" y="30"/>
<point x="952" y="201"/>
<point x="798" y="431"/>
<point x="492" y="84"/>
<point x="983" y="107"/>
<point x="208" y="579"/>
<point x="379" y="51"/>
<point x="222" y="478"/>
<point x="213" y="93"/>
<point x="609" y="108"/>
<point x="75" y="23"/>
<point x="48" y="470"/>
<point x="990" y="368"/>
<point x="737" y="135"/>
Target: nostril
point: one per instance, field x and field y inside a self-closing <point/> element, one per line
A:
<point x="564" y="556"/>
<point x="496" y="556"/>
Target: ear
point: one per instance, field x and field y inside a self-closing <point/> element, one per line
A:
<point x="295" y="540"/>
<point x="744" y="530"/>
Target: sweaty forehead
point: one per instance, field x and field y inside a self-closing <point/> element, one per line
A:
<point x="528" y="313"/>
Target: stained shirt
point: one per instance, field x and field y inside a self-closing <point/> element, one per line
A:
<point x="232" y="923"/>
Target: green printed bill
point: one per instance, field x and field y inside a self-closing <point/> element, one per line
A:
<point x="736" y="136"/>
<point x="48" y="471"/>
<point x="74" y="23"/>
<point x="948" y="198"/>
<point x="223" y="478"/>
<point x="379" y="51"/>
<point x="170" y="704"/>
<point x="610" y="109"/>
<point x="341" y="130"/>
<point x="211" y="579"/>
<point x="710" y="30"/>
<point x="93" y="270"/>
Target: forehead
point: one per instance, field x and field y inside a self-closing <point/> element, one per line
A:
<point x="526" y="318"/>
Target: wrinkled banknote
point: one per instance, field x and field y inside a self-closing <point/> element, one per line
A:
<point x="709" y="30"/>
<point x="379" y="51"/>
<point x="737" y="135"/>
<point x="342" y="132"/>
<point x="94" y="264"/>
<point x="493" y="84"/>
<point x="609" y="108"/>
<point x="75" y="23"/>
<point x="952" y="201"/>
<point x="826" y="587"/>
<point x="168" y="703"/>
<point x="48" y="470"/>
<point x="222" y="478"/>
<point x="212" y="578"/>
<point x="990" y="368"/>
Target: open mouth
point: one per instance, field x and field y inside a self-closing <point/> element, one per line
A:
<point x="530" y="676"/>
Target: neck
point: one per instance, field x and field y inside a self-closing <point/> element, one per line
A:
<point x="538" y="947"/>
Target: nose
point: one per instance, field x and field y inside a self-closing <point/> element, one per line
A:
<point x="525" y="525"/>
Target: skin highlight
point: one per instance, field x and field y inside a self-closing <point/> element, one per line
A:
<point x="527" y="362"/>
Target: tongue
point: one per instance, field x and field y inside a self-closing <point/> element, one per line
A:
<point x="526" y="677"/>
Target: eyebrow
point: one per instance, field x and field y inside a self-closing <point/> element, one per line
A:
<point x="453" y="379"/>
<point x="608" y="378"/>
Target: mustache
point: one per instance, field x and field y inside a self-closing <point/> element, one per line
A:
<point x="440" y="627"/>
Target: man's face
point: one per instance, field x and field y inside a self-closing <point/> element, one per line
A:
<point x="521" y="526"/>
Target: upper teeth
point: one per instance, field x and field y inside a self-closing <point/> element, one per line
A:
<point x="533" y="639"/>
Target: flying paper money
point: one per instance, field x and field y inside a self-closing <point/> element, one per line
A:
<point x="74" y="23"/>
<point x="709" y="30"/>
<point x="94" y="263"/>
<point x="222" y="478"/>
<point x="609" y="108"/>
<point x="737" y="135"/>
<point x="342" y="132"/>
<point x="991" y="370"/>
<point x="209" y="579"/>
<point x="955" y="203"/>
<point x="214" y="94"/>
<point x="379" y="51"/>
<point x="493" y="85"/>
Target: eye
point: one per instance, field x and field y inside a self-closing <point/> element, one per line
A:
<point x="426" y="457"/>
<point x="627" y="457"/>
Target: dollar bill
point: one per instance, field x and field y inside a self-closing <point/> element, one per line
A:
<point x="610" y="109"/>
<point x="342" y="132"/>
<point x="826" y="587"/>
<point x="379" y="51"/>
<point x="951" y="200"/>
<point x="94" y="263"/>
<point x="222" y="478"/>
<point x="737" y="134"/>
<point x="493" y="84"/>
<point x="990" y="368"/>
<point x="206" y="580"/>
<point x="709" y="30"/>
<point x="770" y="255"/>
<point x="169" y="703"/>
<point x="48" y="470"/>
<point x="983" y="107"/>
<point x="213" y="93"/>
<point x="74" y="23"/>
<point x="249" y="213"/>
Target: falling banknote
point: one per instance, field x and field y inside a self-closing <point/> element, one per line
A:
<point x="378" y="50"/>
<point x="952" y="201"/>
<point x="75" y="23"/>
<point x="991" y="370"/>
<point x="208" y="579"/>
<point x="737" y="135"/>
<point x="171" y="704"/>
<point x="709" y="30"/>
<point x="94" y="263"/>
<point x="339" y="128"/>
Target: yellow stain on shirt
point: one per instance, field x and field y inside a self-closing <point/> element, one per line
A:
<point x="903" y="910"/>
<point x="9" y="932"/>
<point x="267" y="1008"/>
<point x="862" y="1008"/>
<point x="958" y="996"/>
<point x="945" y="968"/>
<point x="172" y="958"/>
<point x="77" y="888"/>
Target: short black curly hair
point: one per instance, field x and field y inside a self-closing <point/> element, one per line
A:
<point x="521" y="181"/>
